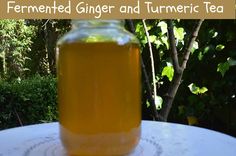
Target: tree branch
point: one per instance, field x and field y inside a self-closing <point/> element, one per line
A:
<point x="44" y="25"/>
<point x="18" y="117"/>
<point x="152" y="62"/>
<point x="191" y="42"/>
<point x="169" y="98"/>
<point x="178" y="69"/>
<point x="146" y="79"/>
<point x="173" y="49"/>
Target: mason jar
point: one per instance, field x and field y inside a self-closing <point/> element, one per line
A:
<point x="99" y="89"/>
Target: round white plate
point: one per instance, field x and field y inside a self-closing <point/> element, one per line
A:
<point x="158" y="139"/>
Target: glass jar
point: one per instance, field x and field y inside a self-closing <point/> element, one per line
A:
<point x="99" y="89"/>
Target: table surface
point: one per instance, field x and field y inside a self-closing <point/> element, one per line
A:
<point x="158" y="139"/>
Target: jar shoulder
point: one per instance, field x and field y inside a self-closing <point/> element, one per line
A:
<point x="91" y="35"/>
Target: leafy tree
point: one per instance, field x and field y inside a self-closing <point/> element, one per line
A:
<point x="211" y="57"/>
<point x="29" y="46"/>
<point x="165" y="38"/>
<point x="15" y="41"/>
<point x="211" y="66"/>
<point x="43" y="51"/>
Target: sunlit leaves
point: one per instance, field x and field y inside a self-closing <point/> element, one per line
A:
<point x="213" y="33"/>
<point x="164" y="40"/>
<point x="224" y="67"/>
<point x="220" y="47"/>
<point x="200" y="56"/>
<point x="148" y="104"/>
<point x="159" y="35"/>
<point x="168" y="71"/>
<point x="158" y="102"/>
<point x="197" y="90"/>
<point x="195" y="46"/>
<point x="140" y="33"/>
<point x="163" y="27"/>
<point x="179" y="33"/>
<point x="15" y="40"/>
<point x="204" y="51"/>
<point x="152" y="38"/>
<point x="231" y="61"/>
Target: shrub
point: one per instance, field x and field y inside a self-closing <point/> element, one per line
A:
<point x="29" y="101"/>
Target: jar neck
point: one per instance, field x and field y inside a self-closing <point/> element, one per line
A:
<point x="97" y="23"/>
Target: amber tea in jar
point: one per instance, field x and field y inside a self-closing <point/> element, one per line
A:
<point x="99" y="89"/>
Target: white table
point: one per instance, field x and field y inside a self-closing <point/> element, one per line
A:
<point x="158" y="139"/>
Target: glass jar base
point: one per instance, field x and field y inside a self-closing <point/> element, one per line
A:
<point x="117" y="144"/>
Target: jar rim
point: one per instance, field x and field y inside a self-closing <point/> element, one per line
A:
<point x="97" y="23"/>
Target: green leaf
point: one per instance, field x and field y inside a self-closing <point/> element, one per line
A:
<point x="179" y="33"/>
<point x="158" y="43"/>
<point x="148" y="104"/>
<point x="152" y="38"/>
<point x="164" y="39"/>
<point x="220" y="47"/>
<point x="195" y="46"/>
<point x="202" y="90"/>
<point x="197" y="90"/>
<point x="206" y="49"/>
<point x="168" y="71"/>
<point x="193" y="88"/>
<point x="139" y="28"/>
<point x="223" y="67"/>
<point x="200" y="56"/>
<point x="144" y="41"/>
<point x="231" y="62"/>
<point x="215" y="35"/>
<point x="158" y="102"/>
<point x="163" y="27"/>
<point x="2" y="54"/>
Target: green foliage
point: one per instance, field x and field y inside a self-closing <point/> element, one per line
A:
<point x="195" y="47"/>
<point x="179" y="33"/>
<point x="223" y="67"/>
<point x="211" y="65"/>
<point x="15" y="41"/>
<point x="159" y="102"/>
<point x="197" y="90"/>
<point x="28" y="47"/>
<point x="232" y="62"/>
<point x="33" y="100"/>
<point x="43" y="50"/>
<point x="220" y="47"/>
<point x="168" y="71"/>
<point x="163" y="27"/>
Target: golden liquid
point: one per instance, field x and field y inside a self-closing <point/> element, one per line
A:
<point x="99" y="98"/>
